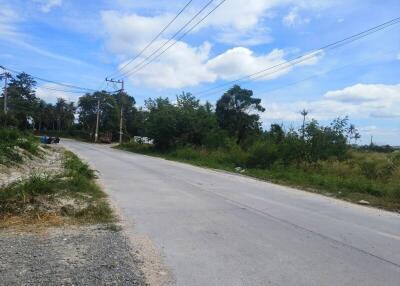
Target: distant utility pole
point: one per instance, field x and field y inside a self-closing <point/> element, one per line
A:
<point x="121" y="116"/>
<point x="5" y="75"/>
<point x="96" y="134"/>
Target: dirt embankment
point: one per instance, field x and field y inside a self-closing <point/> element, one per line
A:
<point x="49" y="162"/>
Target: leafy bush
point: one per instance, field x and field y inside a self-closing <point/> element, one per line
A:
<point x="262" y="154"/>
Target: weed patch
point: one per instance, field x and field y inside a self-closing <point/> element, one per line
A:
<point x="72" y="195"/>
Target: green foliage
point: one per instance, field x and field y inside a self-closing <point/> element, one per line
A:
<point x="106" y="104"/>
<point x="262" y="155"/>
<point x="7" y="120"/>
<point x="171" y="125"/>
<point x="234" y="112"/>
<point x="75" y="167"/>
<point x="10" y="140"/>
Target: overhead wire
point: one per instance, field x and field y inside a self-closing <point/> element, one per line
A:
<point x="316" y="75"/>
<point x="154" y="39"/>
<point x="52" y="81"/>
<point x="149" y="58"/>
<point x="299" y="59"/>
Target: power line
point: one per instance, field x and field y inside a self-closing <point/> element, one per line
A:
<point x="306" y="56"/>
<point x="319" y="74"/>
<point x="54" y="82"/>
<point x="153" y="40"/>
<point x="139" y="66"/>
<point x="174" y="43"/>
<point x="61" y="90"/>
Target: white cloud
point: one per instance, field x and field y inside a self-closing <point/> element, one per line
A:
<point x="188" y="65"/>
<point x="128" y="34"/>
<point x="378" y="100"/>
<point x="47" y="93"/>
<point x="360" y="101"/>
<point x="182" y="66"/>
<point x="241" y="61"/>
<point x="293" y="18"/>
<point x="47" y="5"/>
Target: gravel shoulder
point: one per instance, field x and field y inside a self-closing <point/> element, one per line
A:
<point x="84" y="255"/>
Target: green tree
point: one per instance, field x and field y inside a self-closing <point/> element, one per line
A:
<point x="161" y="122"/>
<point x="109" y="112"/>
<point x="236" y="112"/>
<point x="22" y="101"/>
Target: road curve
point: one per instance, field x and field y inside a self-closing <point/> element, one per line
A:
<point x="215" y="228"/>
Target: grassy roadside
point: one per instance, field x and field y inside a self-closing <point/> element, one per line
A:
<point x="374" y="177"/>
<point x="71" y="196"/>
<point x="15" y="144"/>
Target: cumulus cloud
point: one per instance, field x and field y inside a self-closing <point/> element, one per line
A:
<point x="128" y="34"/>
<point x="379" y="100"/>
<point x="241" y="61"/>
<point x="360" y="101"/>
<point x="47" y="93"/>
<point x="187" y="65"/>
<point x="182" y="66"/>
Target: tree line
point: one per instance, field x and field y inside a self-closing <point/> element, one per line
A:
<point x="233" y="122"/>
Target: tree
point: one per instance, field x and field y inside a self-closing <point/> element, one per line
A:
<point x="161" y="122"/>
<point x="303" y="113"/>
<point x="22" y="101"/>
<point x="109" y="112"/>
<point x="236" y="112"/>
<point x="353" y="133"/>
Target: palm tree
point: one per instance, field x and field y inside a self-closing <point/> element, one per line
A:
<point x="304" y="113"/>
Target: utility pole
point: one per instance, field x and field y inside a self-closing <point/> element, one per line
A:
<point x="96" y="134"/>
<point x="122" y="107"/>
<point x="5" y="75"/>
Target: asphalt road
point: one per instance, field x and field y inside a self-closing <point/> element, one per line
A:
<point x="215" y="228"/>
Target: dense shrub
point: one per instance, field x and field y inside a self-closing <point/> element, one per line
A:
<point x="262" y="154"/>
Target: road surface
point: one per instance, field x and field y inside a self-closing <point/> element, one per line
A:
<point x="215" y="228"/>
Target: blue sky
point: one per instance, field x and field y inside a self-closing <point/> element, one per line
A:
<point x="81" y="42"/>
